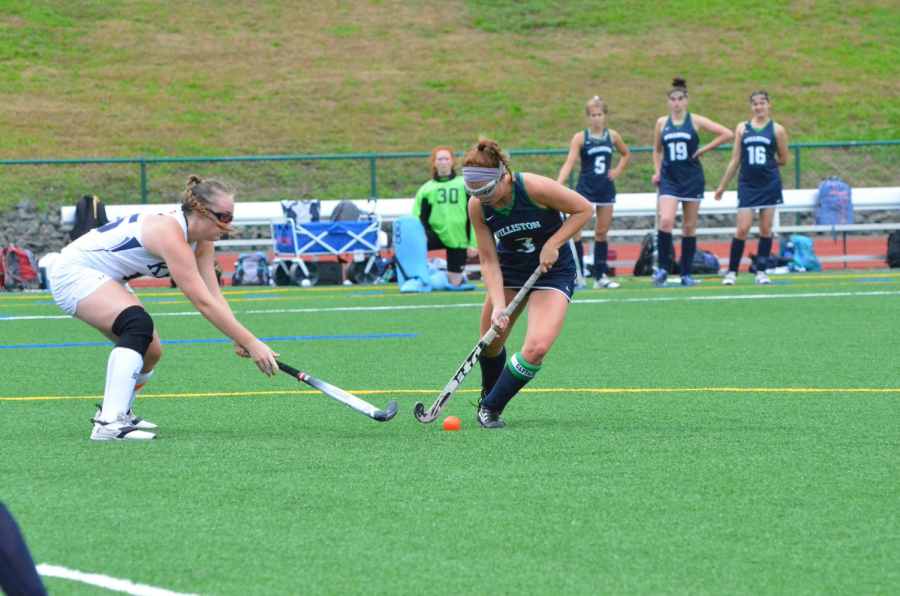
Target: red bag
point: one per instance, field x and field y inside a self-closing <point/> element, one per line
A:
<point x="18" y="270"/>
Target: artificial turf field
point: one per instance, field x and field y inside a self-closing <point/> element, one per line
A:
<point x="708" y="440"/>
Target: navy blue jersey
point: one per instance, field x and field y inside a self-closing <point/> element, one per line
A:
<point x="596" y="162"/>
<point x="523" y="228"/>
<point x="759" y="184"/>
<point x="759" y="165"/>
<point x="681" y="175"/>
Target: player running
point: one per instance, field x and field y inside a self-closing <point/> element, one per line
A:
<point x="596" y="180"/>
<point x="679" y="175"/>
<point x="89" y="282"/>
<point x="760" y="147"/>
<point x="525" y="212"/>
<point x="441" y="207"/>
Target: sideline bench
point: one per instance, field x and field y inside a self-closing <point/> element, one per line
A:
<point x="627" y="205"/>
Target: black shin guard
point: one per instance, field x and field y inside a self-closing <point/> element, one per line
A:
<point x="134" y="328"/>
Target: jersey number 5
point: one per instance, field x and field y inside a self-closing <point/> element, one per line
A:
<point x="600" y="165"/>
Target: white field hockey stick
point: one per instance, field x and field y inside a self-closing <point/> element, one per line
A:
<point x="469" y="364"/>
<point x="654" y="263"/>
<point x="342" y="396"/>
<point x="579" y="277"/>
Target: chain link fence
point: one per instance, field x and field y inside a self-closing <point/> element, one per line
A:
<point x="384" y="176"/>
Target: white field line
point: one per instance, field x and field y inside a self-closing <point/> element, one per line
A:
<point x="478" y="304"/>
<point x="104" y="581"/>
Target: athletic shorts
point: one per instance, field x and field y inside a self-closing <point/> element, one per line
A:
<point x="670" y="190"/>
<point x="606" y="197"/>
<point x="456" y="257"/>
<point x="71" y="283"/>
<point x="682" y="199"/>
<point x="561" y="280"/>
<point x="759" y="199"/>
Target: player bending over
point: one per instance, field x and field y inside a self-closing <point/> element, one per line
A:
<point x="525" y="212"/>
<point x="90" y="282"/>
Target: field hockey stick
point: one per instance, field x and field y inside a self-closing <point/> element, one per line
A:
<point x="579" y="277"/>
<point x="469" y="364"/>
<point x="342" y="396"/>
<point x="654" y="262"/>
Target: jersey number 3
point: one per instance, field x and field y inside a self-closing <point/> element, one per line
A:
<point x="527" y="245"/>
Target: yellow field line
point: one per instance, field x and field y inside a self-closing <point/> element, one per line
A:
<point x="436" y="391"/>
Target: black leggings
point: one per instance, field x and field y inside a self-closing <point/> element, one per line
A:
<point x="456" y="257"/>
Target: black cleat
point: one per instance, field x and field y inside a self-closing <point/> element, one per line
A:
<point x="489" y="418"/>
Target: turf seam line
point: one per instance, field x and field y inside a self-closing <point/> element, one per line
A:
<point x="479" y="304"/>
<point x="105" y="581"/>
<point x="526" y="390"/>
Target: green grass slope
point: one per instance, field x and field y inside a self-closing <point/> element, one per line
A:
<point x="209" y="78"/>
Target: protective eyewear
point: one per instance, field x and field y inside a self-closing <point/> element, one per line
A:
<point x="485" y="192"/>
<point x="225" y="218"/>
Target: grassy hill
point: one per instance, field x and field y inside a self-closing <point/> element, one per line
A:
<point x="127" y="78"/>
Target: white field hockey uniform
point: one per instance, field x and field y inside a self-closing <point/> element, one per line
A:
<point x="112" y="252"/>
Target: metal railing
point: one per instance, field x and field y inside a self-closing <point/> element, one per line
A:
<point x="382" y="175"/>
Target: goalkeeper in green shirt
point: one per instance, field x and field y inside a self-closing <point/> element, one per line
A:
<point x="441" y="207"/>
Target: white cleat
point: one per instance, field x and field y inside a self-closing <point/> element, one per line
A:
<point x="730" y="278"/>
<point x="135" y="421"/>
<point x="762" y="279"/>
<point x="604" y="283"/>
<point x="120" y="430"/>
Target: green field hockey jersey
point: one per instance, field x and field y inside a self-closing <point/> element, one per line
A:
<point x="441" y="202"/>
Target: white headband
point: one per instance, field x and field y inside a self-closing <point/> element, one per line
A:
<point x="476" y="174"/>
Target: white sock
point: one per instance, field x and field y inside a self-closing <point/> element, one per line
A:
<point x="138" y="385"/>
<point x="121" y="373"/>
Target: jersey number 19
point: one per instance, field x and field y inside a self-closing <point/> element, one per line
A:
<point x="678" y="151"/>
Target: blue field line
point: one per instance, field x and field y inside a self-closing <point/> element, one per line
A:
<point x="46" y="302"/>
<point x="781" y="283"/>
<point x="873" y="280"/>
<point x="222" y="340"/>
<point x="267" y="297"/>
<point x="159" y="300"/>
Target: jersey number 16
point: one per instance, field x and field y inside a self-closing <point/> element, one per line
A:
<point x="757" y="156"/>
